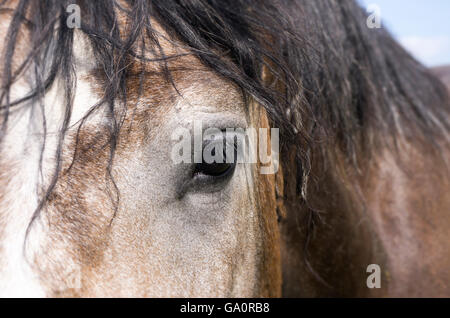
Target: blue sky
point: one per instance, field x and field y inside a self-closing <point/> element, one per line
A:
<point x="422" y="26"/>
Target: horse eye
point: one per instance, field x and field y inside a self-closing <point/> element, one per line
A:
<point x="220" y="168"/>
<point x="214" y="169"/>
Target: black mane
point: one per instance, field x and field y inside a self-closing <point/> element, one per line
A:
<point x="340" y="79"/>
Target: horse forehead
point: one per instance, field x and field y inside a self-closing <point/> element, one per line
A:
<point x="189" y="79"/>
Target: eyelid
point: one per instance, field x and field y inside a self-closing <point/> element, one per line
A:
<point x="203" y="183"/>
<point x="223" y="120"/>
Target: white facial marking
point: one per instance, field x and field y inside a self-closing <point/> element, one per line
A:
<point x="21" y="150"/>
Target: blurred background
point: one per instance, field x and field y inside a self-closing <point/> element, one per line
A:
<point x="421" y="26"/>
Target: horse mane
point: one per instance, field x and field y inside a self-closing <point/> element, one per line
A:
<point x="333" y="77"/>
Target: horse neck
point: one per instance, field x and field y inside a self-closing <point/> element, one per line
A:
<point x="374" y="215"/>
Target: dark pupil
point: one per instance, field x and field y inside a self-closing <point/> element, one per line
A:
<point x="216" y="168"/>
<point x="213" y="169"/>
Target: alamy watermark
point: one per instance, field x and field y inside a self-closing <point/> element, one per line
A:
<point x="72" y="276"/>
<point x="230" y="145"/>
<point x="374" y="19"/>
<point x="374" y="279"/>
<point x="74" y="19"/>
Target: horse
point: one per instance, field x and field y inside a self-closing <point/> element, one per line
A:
<point x="92" y="204"/>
